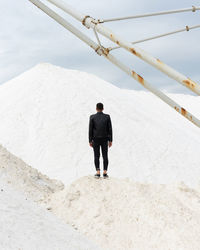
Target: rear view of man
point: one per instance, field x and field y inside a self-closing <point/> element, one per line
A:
<point x="100" y="135"/>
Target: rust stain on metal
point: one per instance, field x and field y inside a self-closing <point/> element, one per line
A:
<point x="84" y="19"/>
<point x="159" y="61"/>
<point x="114" y="40"/>
<point x="106" y="51"/>
<point x="190" y="83"/>
<point x="183" y="111"/>
<point x="176" y="108"/>
<point x="96" y="50"/>
<point x="133" y="51"/>
<point x="102" y="50"/>
<point x="140" y="78"/>
<point x="133" y="73"/>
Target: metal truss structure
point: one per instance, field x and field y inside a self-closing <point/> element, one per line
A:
<point x="99" y="28"/>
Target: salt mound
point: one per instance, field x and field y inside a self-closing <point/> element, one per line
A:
<point x="122" y="214"/>
<point x="24" y="178"/>
<point x="24" y="225"/>
<point x="44" y="121"/>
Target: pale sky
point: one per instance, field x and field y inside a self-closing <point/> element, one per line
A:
<point x="28" y="37"/>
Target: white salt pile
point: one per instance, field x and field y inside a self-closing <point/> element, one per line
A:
<point x="122" y="214"/>
<point x="23" y="224"/>
<point x="25" y="179"/>
<point x="113" y="213"/>
<point x="44" y="120"/>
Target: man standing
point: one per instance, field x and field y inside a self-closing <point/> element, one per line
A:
<point x="100" y="135"/>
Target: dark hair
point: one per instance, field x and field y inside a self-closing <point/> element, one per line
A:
<point x="99" y="106"/>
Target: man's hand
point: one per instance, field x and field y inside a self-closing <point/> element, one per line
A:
<point x="110" y="144"/>
<point x="90" y="143"/>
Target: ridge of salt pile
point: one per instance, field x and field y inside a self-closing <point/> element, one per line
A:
<point x="122" y="214"/>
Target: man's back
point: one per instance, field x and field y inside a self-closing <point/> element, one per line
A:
<point x="100" y="126"/>
<point x="100" y="136"/>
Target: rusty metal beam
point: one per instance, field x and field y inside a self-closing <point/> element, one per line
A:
<point x="90" y="22"/>
<point x="105" y="52"/>
<point x="169" y="71"/>
<point x="155" y="91"/>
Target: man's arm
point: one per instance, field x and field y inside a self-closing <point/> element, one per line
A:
<point x="90" y="129"/>
<point x="110" y="133"/>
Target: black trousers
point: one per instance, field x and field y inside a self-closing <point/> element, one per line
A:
<point x="103" y="143"/>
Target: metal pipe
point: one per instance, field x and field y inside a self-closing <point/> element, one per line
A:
<point x="193" y="9"/>
<point x="116" y="62"/>
<point x="65" y="24"/>
<point x="146" y="57"/>
<point x="69" y="9"/>
<point x="91" y="22"/>
<point x="187" y="28"/>
<point x="155" y="91"/>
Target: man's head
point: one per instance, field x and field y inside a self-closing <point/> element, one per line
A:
<point x="99" y="107"/>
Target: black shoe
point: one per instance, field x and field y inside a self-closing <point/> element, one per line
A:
<point x="105" y="176"/>
<point x="97" y="176"/>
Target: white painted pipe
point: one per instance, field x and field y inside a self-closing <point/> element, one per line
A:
<point x="155" y="91"/>
<point x="65" y="24"/>
<point x="69" y="9"/>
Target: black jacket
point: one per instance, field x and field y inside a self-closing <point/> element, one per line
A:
<point x="100" y="126"/>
